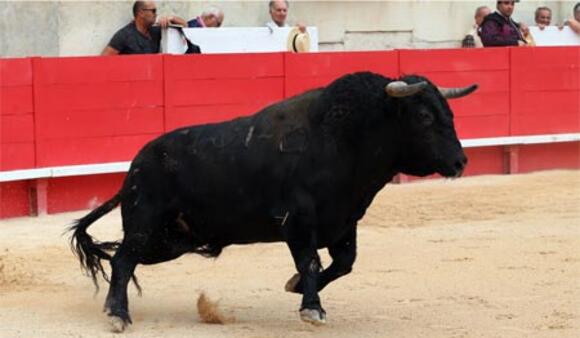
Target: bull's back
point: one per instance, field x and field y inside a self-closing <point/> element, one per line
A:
<point x="229" y="178"/>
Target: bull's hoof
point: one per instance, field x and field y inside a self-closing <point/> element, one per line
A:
<point x="292" y="282"/>
<point x="118" y="325"/>
<point x="313" y="316"/>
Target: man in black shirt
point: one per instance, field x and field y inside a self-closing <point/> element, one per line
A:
<point x="140" y="36"/>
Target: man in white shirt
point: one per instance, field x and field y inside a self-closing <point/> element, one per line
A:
<point x="279" y="13"/>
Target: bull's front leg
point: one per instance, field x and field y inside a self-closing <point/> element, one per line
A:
<point x="302" y="241"/>
<point x="343" y="254"/>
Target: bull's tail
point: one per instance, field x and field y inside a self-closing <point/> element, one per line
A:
<point x="89" y="251"/>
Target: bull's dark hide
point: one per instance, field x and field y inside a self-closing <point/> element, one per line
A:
<point x="303" y="171"/>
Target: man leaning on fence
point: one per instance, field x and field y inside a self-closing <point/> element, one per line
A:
<point x="143" y="34"/>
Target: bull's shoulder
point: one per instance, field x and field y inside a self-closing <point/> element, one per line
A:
<point x="294" y="108"/>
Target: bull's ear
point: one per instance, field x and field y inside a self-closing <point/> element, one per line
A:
<point x="402" y="89"/>
<point x="453" y="93"/>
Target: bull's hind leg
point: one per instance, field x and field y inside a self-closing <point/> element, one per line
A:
<point x="343" y="255"/>
<point x="145" y="245"/>
<point x="138" y="224"/>
<point x="123" y="266"/>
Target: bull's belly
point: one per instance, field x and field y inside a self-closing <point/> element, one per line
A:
<point x="230" y="227"/>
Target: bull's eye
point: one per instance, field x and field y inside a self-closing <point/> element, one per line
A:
<point x="426" y="118"/>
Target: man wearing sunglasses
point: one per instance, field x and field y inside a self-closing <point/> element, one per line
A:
<point x="143" y="34"/>
<point x="499" y="29"/>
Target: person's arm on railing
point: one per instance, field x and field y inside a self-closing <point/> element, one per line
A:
<point x="109" y="51"/>
<point x="165" y="21"/>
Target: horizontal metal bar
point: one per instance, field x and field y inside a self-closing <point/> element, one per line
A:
<point x="120" y="167"/>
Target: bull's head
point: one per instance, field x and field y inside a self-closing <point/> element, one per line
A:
<point x="427" y="130"/>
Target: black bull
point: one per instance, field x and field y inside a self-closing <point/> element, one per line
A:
<point x="303" y="171"/>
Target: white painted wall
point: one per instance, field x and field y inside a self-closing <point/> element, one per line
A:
<point x="75" y="28"/>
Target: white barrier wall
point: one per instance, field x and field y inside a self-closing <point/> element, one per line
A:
<point x="233" y="39"/>
<point x="553" y="36"/>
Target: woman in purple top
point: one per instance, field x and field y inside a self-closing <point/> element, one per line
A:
<point x="499" y="29"/>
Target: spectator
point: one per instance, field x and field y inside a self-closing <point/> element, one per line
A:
<point x="210" y="17"/>
<point x="499" y="29"/>
<point x="140" y="36"/>
<point x="543" y="17"/>
<point x="574" y="22"/>
<point x="278" y="13"/>
<point x="472" y="38"/>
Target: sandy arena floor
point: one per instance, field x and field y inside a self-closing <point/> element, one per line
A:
<point x="487" y="256"/>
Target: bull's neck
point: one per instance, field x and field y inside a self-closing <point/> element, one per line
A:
<point x="378" y="154"/>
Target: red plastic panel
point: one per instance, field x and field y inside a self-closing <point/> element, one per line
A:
<point x="299" y="85"/>
<point x="16" y="100"/>
<point x="307" y="71"/>
<point x="545" y="90"/>
<point x="87" y="70"/>
<point x="81" y="192"/>
<point x="96" y="109"/>
<point x="101" y="123"/>
<point x="196" y="115"/>
<point x="337" y="64"/>
<point x="90" y="150"/>
<point x="215" y="88"/>
<point x="486" y="112"/>
<point x="489" y="160"/>
<point x="224" y="91"/>
<point x="482" y="126"/>
<point x="15" y="156"/>
<point x="16" y="128"/>
<point x="16" y="114"/>
<point x="549" y="156"/>
<point x="93" y="96"/>
<point x="420" y="61"/>
<point x="15" y="72"/>
<point x="14" y="199"/>
<point x="224" y="66"/>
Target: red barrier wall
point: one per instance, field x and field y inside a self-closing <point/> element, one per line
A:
<point x="16" y="114"/>
<point x="212" y="88"/>
<point x="66" y="111"/>
<point x="94" y="110"/>
<point x="308" y="71"/>
<point x="545" y="89"/>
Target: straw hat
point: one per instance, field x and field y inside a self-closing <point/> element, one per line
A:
<point x="298" y="42"/>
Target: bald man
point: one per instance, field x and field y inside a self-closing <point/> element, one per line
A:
<point x="472" y="38"/>
<point x="140" y="36"/>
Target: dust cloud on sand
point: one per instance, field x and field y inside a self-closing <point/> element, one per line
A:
<point x="487" y="256"/>
<point x="209" y="311"/>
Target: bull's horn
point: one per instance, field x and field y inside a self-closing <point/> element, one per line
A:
<point x="402" y="89"/>
<point x="453" y="93"/>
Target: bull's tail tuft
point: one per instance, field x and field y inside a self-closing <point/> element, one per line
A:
<point x="89" y="251"/>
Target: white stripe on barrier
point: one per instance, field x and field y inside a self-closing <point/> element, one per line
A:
<point x="515" y="140"/>
<point x="120" y="167"/>
<point x="71" y="170"/>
